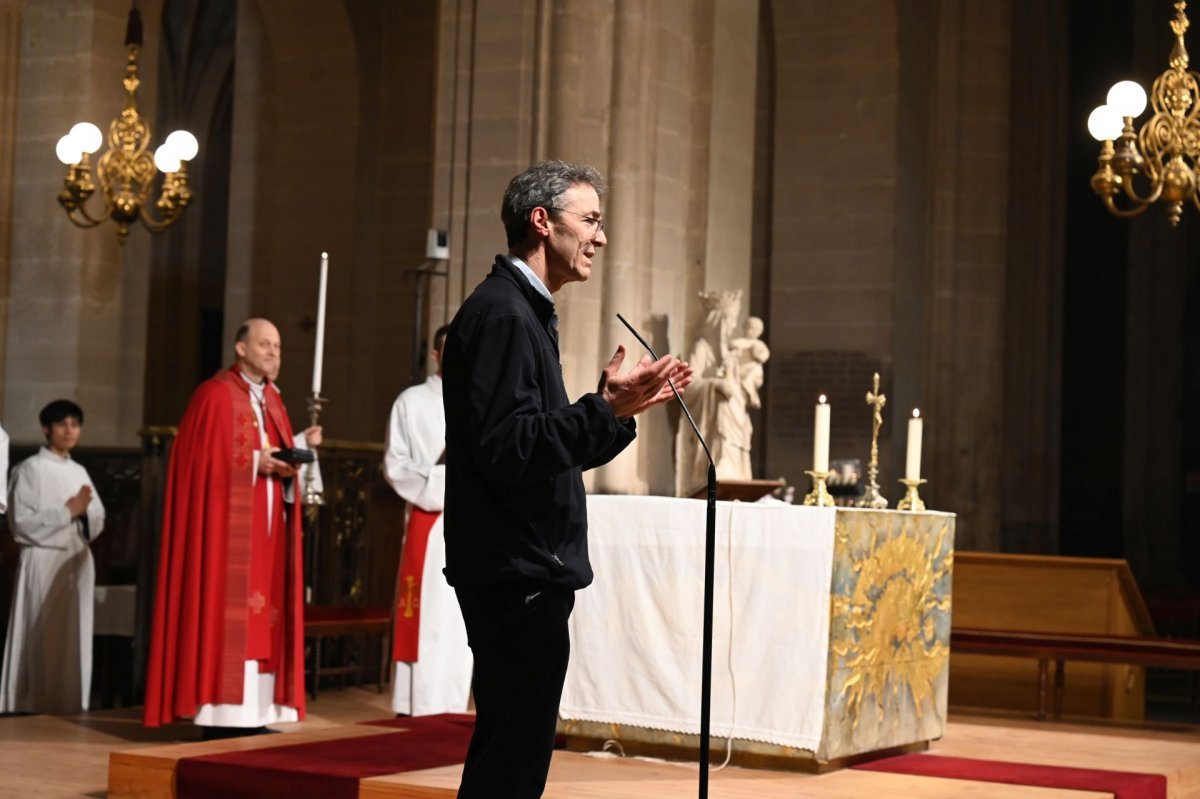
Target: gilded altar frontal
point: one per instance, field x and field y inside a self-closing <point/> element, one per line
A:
<point x="889" y="650"/>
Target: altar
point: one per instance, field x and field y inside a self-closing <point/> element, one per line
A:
<point x="831" y="628"/>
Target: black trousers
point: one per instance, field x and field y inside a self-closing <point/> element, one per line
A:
<point x="518" y="635"/>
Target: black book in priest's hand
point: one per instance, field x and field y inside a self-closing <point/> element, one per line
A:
<point x="294" y="456"/>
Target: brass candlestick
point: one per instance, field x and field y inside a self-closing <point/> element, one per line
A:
<point x="912" y="500"/>
<point x="819" y="495"/>
<point x="871" y="498"/>
<point x="311" y="496"/>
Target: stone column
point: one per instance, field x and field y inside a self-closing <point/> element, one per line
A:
<point x="298" y="113"/>
<point x="10" y="51"/>
<point x="682" y="196"/>
<point x="621" y="272"/>
<point x="579" y="57"/>
<point x="731" y="148"/>
<point x="1034" y="293"/>
<point x="628" y="87"/>
<point x="964" y="353"/>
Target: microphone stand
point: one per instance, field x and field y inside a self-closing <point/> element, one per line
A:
<point x="710" y="548"/>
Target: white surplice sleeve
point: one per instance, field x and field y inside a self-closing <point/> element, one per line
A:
<point x="31" y="523"/>
<point x="421" y="483"/>
<point x="95" y="512"/>
<point x="318" y="485"/>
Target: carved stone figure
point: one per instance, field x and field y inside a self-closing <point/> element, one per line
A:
<point x="728" y="374"/>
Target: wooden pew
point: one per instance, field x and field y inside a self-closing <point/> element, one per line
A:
<point x="1047" y="594"/>
<point x="1160" y="653"/>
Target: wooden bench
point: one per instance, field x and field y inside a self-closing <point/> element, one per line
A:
<point x="328" y="622"/>
<point x="1161" y="653"/>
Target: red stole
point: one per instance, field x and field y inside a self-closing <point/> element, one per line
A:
<point x="408" y="584"/>
<point x="199" y="632"/>
<point x="265" y="596"/>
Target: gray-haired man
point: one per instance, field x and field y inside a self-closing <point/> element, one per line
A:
<point x="516" y="515"/>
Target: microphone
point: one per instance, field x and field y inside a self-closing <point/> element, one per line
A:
<point x="674" y="390"/>
<point x="710" y="545"/>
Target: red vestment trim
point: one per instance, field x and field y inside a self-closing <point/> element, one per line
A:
<point x="263" y="601"/>
<point x="408" y="585"/>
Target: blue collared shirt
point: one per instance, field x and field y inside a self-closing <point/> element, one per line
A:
<point x="532" y="277"/>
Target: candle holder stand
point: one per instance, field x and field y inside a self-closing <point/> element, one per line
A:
<point x="912" y="500"/>
<point x="871" y="497"/>
<point x="312" y="496"/>
<point x="819" y="495"/>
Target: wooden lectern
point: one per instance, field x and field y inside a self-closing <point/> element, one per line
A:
<point x="741" y="490"/>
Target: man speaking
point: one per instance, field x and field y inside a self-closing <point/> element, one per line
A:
<point x="516" y="448"/>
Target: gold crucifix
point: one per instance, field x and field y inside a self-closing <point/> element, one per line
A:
<point x="871" y="497"/>
<point x="876" y="401"/>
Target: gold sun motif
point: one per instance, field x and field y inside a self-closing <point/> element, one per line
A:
<point x="890" y="618"/>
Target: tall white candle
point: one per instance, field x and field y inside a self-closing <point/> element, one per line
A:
<point x="912" y="463"/>
<point x="319" y="352"/>
<point x="821" y="437"/>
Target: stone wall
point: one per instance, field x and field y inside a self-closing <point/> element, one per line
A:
<point x="73" y="297"/>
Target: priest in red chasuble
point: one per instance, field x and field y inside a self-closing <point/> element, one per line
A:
<point x="227" y="640"/>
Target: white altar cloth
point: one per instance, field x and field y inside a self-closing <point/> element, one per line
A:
<point x="636" y="631"/>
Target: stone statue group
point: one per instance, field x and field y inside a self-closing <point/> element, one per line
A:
<point x="728" y="369"/>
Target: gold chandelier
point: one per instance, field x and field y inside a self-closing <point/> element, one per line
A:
<point x="126" y="172"/>
<point x="1166" y="148"/>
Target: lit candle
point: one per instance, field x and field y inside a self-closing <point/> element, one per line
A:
<point x="319" y="352"/>
<point x="912" y="464"/>
<point x="821" y="437"/>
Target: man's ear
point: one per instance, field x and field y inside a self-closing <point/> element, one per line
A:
<point x="539" y="222"/>
<point x="46" y="431"/>
<point x="239" y="349"/>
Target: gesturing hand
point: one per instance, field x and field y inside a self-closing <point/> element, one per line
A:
<point x="644" y="386"/>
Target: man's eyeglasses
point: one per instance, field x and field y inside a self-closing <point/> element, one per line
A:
<point x="598" y="224"/>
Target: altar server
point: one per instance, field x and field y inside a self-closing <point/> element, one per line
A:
<point x="54" y="514"/>
<point x="432" y="661"/>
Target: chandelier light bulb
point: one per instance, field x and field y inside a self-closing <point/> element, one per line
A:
<point x="184" y="144"/>
<point x="87" y="136"/>
<point x="68" y="150"/>
<point x="1128" y="98"/>
<point x="1105" y="123"/>
<point x="166" y="158"/>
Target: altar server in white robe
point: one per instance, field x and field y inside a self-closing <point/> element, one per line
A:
<point x="54" y="514"/>
<point x="432" y="661"/>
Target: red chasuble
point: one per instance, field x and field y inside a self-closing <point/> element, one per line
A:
<point x="408" y="585"/>
<point x="202" y="634"/>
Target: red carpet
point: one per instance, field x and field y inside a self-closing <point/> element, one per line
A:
<point x="1122" y="784"/>
<point x="329" y="769"/>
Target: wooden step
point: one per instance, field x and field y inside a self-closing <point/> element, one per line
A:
<point x="150" y="773"/>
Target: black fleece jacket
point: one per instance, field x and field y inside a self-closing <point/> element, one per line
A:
<point x="515" y="447"/>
